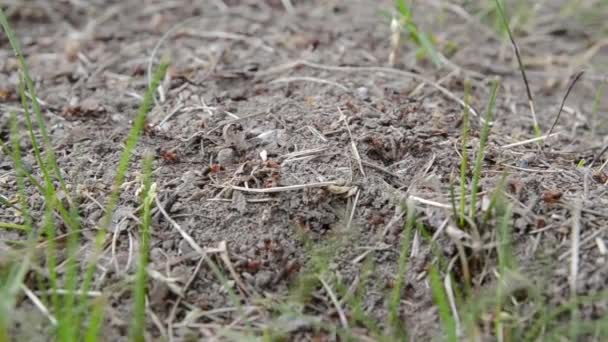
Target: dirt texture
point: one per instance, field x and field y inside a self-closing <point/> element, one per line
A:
<point x="258" y="102"/>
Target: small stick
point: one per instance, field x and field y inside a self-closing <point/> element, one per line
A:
<point x="521" y="65"/>
<point x="179" y="299"/>
<point x="524" y="142"/>
<point x="575" y="246"/>
<point x="447" y="284"/>
<point x="282" y="188"/>
<point x="336" y="303"/>
<point x="309" y="79"/>
<point x="353" y="146"/>
<point x="352" y="212"/>
<point x="584" y="241"/>
<point x="157" y="323"/>
<point x="226" y="259"/>
<point x="395" y="38"/>
<point x="70" y="292"/>
<point x="177" y="227"/>
<point x="429" y="202"/>
<point x="170" y="115"/>
<point x="603" y="166"/>
<point x="561" y="107"/>
<point x="38" y="303"/>
<point x="598" y="156"/>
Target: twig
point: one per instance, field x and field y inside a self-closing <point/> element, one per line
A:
<point x="395" y="38"/>
<point x="352" y="212"/>
<point x="226" y="260"/>
<point x="369" y="250"/>
<point x="70" y="292"/>
<point x="170" y="115"/>
<point x="353" y="146"/>
<point x="281" y="188"/>
<point x="447" y="284"/>
<point x="429" y="202"/>
<point x="303" y="153"/>
<point x="381" y="169"/>
<point x="524" y="142"/>
<point x="598" y="157"/>
<point x="179" y="299"/>
<point x="309" y="79"/>
<point x="157" y="323"/>
<point x="603" y="165"/>
<point x="521" y="65"/>
<point x="575" y="246"/>
<point x="157" y="46"/>
<point x="336" y="303"/>
<point x="585" y="241"/>
<point x="177" y="227"/>
<point x="38" y="303"/>
<point x="561" y="107"/>
<point x="250" y="40"/>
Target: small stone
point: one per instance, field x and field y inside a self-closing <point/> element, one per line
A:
<point x="370" y="124"/>
<point x="248" y="278"/>
<point x="184" y="247"/>
<point x="264" y="155"/>
<point x="167" y="245"/>
<point x="263" y="279"/>
<point x="117" y="118"/>
<point x="363" y="93"/>
<point x="526" y="160"/>
<point x="225" y="156"/>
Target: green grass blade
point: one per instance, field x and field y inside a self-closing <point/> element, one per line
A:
<point x="131" y="142"/>
<point x="139" y="310"/>
<point x="72" y="268"/>
<point x="42" y="163"/>
<point x="483" y="139"/>
<point x="397" y="326"/>
<point x="51" y="251"/>
<point x="505" y="254"/>
<point x="33" y="98"/>
<point x="357" y="300"/>
<point x="464" y="165"/>
<point x="14" y="226"/>
<point x="506" y="260"/>
<point x="429" y="48"/>
<point x="552" y="316"/>
<point x="96" y="320"/>
<point x="418" y="37"/>
<point x="123" y="165"/>
<point x="596" y="107"/>
<point x="502" y="16"/>
<point x="11" y="286"/>
<point x="453" y="197"/>
<point x="441" y="300"/>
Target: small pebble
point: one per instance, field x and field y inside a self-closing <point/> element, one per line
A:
<point x="370" y="124"/>
<point x="363" y="93"/>
<point x="184" y="247"/>
<point x="248" y="278"/>
<point x="117" y="118"/>
<point x="526" y="160"/>
<point x="263" y="279"/>
<point x="225" y="156"/>
<point x="167" y="245"/>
